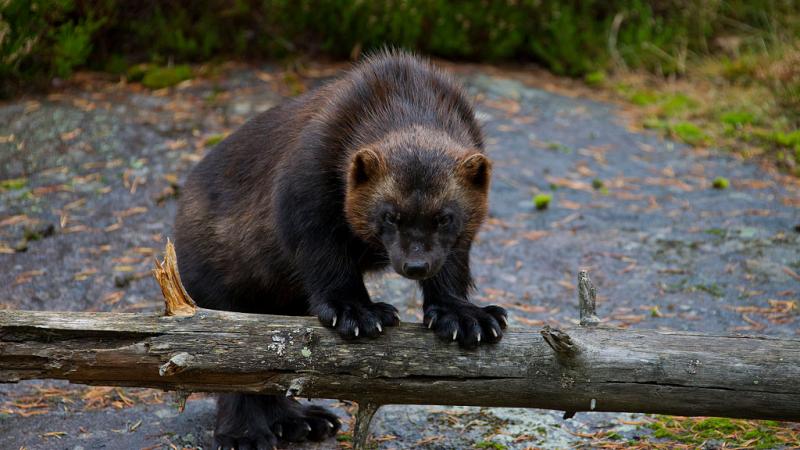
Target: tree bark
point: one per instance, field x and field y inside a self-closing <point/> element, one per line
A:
<point x="575" y="369"/>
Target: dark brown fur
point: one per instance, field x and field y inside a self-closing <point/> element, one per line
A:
<point x="383" y="166"/>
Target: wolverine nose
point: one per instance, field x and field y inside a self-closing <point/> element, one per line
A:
<point x="416" y="269"/>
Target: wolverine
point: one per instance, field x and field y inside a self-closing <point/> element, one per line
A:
<point x="384" y="166"/>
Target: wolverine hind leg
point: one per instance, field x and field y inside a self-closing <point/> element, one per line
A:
<point x="246" y="421"/>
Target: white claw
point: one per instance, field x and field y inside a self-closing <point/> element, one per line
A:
<point x="430" y="324"/>
<point x="505" y="321"/>
<point x="479" y="337"/>
<point x="494" y="332"/>
<point x="455" y="334"/>
<point x="380" y="328"/>
<point x="333" y="324"/>
<point x="330" y="424"/>
<point x="356" y="331"/>
<point x="396" y="314"/>
<point x="308" y="427"/>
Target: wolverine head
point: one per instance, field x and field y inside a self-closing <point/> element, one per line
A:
<point x="420" y="195"/>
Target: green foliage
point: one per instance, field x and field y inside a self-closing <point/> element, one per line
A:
<point x="40" y="39"/>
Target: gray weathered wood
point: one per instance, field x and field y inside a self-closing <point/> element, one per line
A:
<point x="606" y="370"/>
<point x="587" y="300"/>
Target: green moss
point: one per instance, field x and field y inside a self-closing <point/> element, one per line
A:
<point x="558" y="147"/>
<point x="731" y="432"/>
<point x="791" y="139"/>
<point x="654" y="123"/>
<point x="720" y="183"/>
<point x="490" y="445"/>
<point x="689" y="133"/>
<point x="161" y="77"/>
<point x="137" y="72"/>
<point x="738" y="119"/>
<point x="676" y="104"/>
<point x="655" y="312"/>
<point x="712" y="289"/>
<point x="716" y="231"/>
<point x="542" y="201"/>
<point x="344" y="437"/>
<point x="713" y="425"/>
<point x="13" y="184"/>
<point x="596" y="78"/>
<point x="643" y="98"/>
<point x="213" y="140"/>
<point x="613" y="435"/>
<point x="597" y="183"/>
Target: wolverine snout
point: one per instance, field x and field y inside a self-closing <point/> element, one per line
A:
<point x="416" y="269"/>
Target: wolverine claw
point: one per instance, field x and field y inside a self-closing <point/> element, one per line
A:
<point x="333" y="323"/>
<point x="494" y="332"/>
<point x="380" y="328"/>
<point x="356" y="332"/>
<point x="479" y="337"/>
<point x="455" y="334"/>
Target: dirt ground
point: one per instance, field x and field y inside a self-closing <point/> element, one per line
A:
<point x="94" y="169"/>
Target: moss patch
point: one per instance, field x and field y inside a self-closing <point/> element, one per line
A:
<point x="13" y="184"/>
<point x="161" y="77"/>
<point x="490" y="445"/>
<point x="596" y="78"/>
<point x="542" y="201"/>
<point x="689" y="133"/>
<point x="720" y="183"/>
<point x="214" y="139"/>
<point x="732" y="432"/>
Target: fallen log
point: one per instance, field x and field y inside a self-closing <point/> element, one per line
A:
<point x="583" y="368"/>
<point x="597" y="369"/>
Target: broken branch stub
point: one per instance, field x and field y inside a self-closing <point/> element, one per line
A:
<point x="587" y="299"/>
<point x="177" y="301"/>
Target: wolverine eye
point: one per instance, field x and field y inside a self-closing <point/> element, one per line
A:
<point x="445" y="220"/>
<point x="390" y="218"/>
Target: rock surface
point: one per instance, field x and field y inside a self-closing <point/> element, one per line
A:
<point x="100" y="164"/>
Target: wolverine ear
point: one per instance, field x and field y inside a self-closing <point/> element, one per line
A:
<point x="475" y="170"/>
<point x="367" y="165"/>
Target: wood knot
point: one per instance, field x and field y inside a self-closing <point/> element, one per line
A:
<point x="559" y="341"/>
<point x="176" y="364"/>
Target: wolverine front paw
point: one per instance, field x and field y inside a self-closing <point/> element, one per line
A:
<point x="353" y="320"/>
<point x="466" y="323"/>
